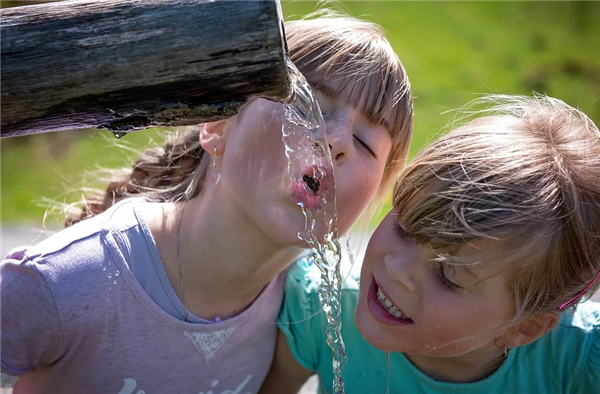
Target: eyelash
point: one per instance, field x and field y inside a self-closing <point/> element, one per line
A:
<point x="444" y="279"/>
<point x="361" y="142"/>
<point x="367" y="147"/>
<point x="400" y="231"/>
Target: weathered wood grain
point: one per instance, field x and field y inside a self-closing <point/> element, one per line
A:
<point x="130" y="64"/>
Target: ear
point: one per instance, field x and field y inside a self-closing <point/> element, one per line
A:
<point x="528" y="330"/>
<point x="213" y="135"/>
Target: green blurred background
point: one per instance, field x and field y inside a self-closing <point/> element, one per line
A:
<point x="452" y="51"/>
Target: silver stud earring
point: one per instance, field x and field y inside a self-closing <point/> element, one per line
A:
<point x="215" y="176"/>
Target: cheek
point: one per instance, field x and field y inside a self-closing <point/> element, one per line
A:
<point x="456" y="324"/>
<point x="350" y="207"/>
<point x="354" y="192"/>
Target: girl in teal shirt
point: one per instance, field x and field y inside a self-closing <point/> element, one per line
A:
<point x="475" y="281"/>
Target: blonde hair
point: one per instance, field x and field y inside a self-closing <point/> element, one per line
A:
<point x="527" y="172"/>
<point x="355" y="53"/>
<point x="330" y="46"/>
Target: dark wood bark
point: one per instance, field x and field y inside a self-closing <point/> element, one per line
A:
<point x="132" y="64"/>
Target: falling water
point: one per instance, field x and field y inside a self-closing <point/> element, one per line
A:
<point x="389" y="370"/>
<point x="311" y="170"/>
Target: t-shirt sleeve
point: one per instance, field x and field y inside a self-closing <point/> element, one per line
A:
<point x="301" y="318"/>
<point x="589" y="381"/>
<point x="31" y="332"/>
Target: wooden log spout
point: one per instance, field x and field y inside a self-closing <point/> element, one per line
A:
<point x="133" y="64"/>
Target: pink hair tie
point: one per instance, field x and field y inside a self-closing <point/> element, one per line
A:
<point x="566" y="304"/>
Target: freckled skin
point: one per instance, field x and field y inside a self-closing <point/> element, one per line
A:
<point x="254" y="176"/>
<point x="448" y="326"/>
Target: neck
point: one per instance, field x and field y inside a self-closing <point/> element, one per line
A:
<point x="461" y="369"/>
<point x="225" y="260"/>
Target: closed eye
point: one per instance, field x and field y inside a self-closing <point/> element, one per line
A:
<point x="400" y="231"/>
<point x="365" y="146"/>
<point x="444" y="280"/>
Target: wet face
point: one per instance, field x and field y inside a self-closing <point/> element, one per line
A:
<point x="410" y="303"/>
<point x="254" y="166"/>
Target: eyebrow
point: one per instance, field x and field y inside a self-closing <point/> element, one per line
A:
<point x="329" y="92"/>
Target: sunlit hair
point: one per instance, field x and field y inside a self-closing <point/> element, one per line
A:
<point x="324" y="48"/>
<point x="527" y="173"/>
<point x="329" y="47"/>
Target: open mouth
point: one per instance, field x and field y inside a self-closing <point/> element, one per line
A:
<point x="383" y="309"/>
<point x="313" y="183"/>
<point x="311" y="190"/>
<point x="389" y="306"/>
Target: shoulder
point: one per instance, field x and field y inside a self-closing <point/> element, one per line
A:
<point x="302" y="288"/>
<point x="69" y="264"/>
<point x="68" y="251"/>
<point x="304" y="275"/>
<point x="579" y="335"/>
<point x="75" y="248"/>
<point x="580" y="326"/>
<point x="585" y="318"/>
<point x="571" y="350"/>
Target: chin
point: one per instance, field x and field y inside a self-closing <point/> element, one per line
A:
<point x="370" y="331"/>
<point x="376" y="339"/>
<point x="286" y="237"/>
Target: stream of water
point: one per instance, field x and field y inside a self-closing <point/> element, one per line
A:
<point x="311" y="170"/>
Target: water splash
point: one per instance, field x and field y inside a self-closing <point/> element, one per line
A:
<point x="119" y="133"/>
<point x="311" y="171"/>
<point x="389" y="372"/>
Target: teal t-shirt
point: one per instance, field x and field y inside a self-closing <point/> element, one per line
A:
<point x="566" y="360"/>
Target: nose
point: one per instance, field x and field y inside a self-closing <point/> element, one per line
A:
<point x="339" y="136"/>
<point x="401" y="268"/>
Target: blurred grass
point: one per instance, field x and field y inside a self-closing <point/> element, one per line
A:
<point x="451" y="50"/>
<point x="56" y="166"/>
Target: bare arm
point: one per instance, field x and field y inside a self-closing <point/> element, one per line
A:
<point x="286" y="375"/>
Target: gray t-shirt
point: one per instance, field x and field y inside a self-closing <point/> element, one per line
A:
<point x="76" y="320"/>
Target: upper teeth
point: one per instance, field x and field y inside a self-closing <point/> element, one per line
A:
<point x="389" y="306"/>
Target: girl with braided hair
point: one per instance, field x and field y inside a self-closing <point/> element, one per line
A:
<point x="170" y="281"/>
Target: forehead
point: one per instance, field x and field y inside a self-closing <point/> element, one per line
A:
<point x="345" y="91"/>
<point x="483" y="259"/>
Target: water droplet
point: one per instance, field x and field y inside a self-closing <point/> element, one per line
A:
<point x="115" y="282"/>
<point x="119" y="133"/>
<point x="319" y="150"/>
<point x="104" y="269"/>
<point x="318" y="173"/>
<point x="389" y="368"/>
<point x="109" y="275"/>
<point x="117" y="273"/>
<point x="214" y="383"/>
